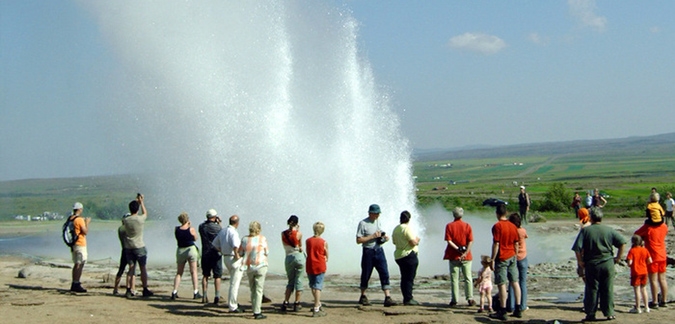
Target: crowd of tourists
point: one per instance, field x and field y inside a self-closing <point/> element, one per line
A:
<point x="594" y="248"/>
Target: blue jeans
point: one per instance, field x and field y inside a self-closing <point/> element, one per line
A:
<point x="522" y="282"/>
<point x="374" y="258"/>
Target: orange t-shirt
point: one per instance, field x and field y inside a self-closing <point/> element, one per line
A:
<point x="460" y="233"/>
<point x="640" y="257"/>
<point x="78" y="223"/>
<point x="655" y="240"/>
<point x="506" y="234"/>
<point x="522" y="248"/>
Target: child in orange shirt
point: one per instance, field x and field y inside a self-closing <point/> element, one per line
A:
<point x="638" y="258"/>
<point x="655" y="213"/>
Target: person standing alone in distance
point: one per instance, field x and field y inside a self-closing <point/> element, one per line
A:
<point x="523" y="204"/>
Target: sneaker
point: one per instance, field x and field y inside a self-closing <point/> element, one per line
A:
<point x="653" y="305"/>
<point x="411" y="302"/>
<point x="500" y="315"/>
<point x="388" y="302"/>
<point x="517" y="313"/>
<point x="589" y="318"/>
<point x="663" y="304"/>
<point x="197" y="295"/>
<point x="266" y="299"/>
<point x="237" y="311"/>
<point x="216" y="301"/>
<point x="297" y="306"/>
<point x="115" y="292"/>
<point x="635" y="311"/>
<point x="471" y="302"/>
<point x="147" y="293"/>
<point x="129" y="294"/>
<point x="259" y="316"/>
<point x="284" y="306"/>
<point x="174" y="296"/>
<point x="647" y="310"/>
<point x="480" y="310"/>
<point x="452" y="303"/>
<point x="319" y="313"/>
<point x="364" y="301"/>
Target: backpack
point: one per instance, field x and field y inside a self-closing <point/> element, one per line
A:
<point x="69" y="236"/>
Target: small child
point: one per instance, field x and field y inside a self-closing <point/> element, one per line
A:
<point x="317" y="257"/>
<point x="655" y="213"/>
<point x="638" y="258"/>
<point x="484" y="283"/>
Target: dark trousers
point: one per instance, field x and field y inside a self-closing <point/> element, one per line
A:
<point x="408" y="266"/>
<point x="523" y="214"/>
<point x="599" y="285"/>
<point x="374" y="258"/>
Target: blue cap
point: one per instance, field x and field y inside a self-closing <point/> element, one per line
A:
<point x="374" y="209"/>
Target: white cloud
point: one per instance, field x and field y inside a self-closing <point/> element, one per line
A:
<point x="538" y="39"/>
<point x="584" y="11"/>
<point x="477" y="42"/>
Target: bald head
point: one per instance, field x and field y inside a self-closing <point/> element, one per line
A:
<point x="234" y="220"/>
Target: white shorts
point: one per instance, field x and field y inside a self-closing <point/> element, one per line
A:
<point x="79" y="254"/>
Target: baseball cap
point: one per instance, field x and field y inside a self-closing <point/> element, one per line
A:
<point x="78" y="205"/>
<point x="522" y="187"/>
<point x="374" y="209"/>
<point x="211" y="213"/>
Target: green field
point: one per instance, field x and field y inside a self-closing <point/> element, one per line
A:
<point x="626" y="176"/>
<point x="625" y="169"/>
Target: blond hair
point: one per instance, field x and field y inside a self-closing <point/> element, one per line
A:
<point x="183" y="218"/>
<point x="318" y="228"/>
<point x="254" y="228"/>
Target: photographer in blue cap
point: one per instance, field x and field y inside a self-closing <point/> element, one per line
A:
<point x="371" y="238"/>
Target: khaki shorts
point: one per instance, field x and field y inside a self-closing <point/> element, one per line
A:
<point x="186" y="254"/>
<point x="79" y="254"/>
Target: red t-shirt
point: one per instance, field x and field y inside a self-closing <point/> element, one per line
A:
<point x="316" y="255"/>
<point x="460" y="233"/>
<point x="506" y="234"/>
<point x="655" y="240"/>
<point x="639" y="255"/>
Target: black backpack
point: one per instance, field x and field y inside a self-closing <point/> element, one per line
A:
<point x="69" y="236"/>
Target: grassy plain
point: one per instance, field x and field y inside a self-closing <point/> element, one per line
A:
<point x="625" y="169"/>
<point x="625" y="176"/>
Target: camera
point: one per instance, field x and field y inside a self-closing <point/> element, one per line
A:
<point x="381" y="240"/>
<point x="461" y="249"/>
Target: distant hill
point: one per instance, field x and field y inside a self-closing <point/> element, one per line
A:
<point x="662" y="143"/>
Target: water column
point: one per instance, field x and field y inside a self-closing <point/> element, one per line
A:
<point x="263" y="109"/>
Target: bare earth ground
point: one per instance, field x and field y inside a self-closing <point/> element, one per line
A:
<point x="42" y="297"/>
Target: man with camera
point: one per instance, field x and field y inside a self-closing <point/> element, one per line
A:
<point x="371" y="237"/>
<point x="459" y="236"/>
<point x="137" y="253"/>
<point x="211" y="259"/>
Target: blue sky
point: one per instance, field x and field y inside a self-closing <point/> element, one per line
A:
<point x="459" y="73"/>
